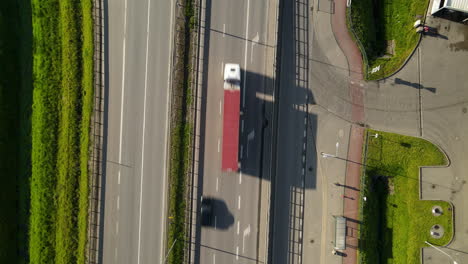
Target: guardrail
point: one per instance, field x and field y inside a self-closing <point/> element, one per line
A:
<point x="96" y="164"/>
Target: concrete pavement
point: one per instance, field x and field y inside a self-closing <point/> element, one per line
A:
<point x="135" y="178"/>
<point x="435" y="112"/>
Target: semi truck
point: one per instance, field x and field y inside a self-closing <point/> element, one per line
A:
<point x="231" y="116"/>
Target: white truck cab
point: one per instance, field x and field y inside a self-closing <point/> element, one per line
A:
<point x="232" y="74"/>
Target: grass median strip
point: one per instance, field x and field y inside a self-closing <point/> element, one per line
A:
<point x="62" y="106"/>
<point x="181" y="129"/>
<point x="395" y="222"/>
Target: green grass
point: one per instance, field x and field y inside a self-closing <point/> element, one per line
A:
<point x="379" y="21"/>
<point x="87" y="95"/>
<point x="395" y="222"/>
<point x="62" y="107"/>
<point x="180" y="141"/>
<point x="10" y="88"/>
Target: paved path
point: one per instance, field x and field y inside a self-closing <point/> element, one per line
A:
<point x="353" y="167"/>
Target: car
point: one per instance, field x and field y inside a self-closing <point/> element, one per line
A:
<point x="207" y="211"/>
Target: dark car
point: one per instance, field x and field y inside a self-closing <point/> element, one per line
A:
<point x="207" y="211"/>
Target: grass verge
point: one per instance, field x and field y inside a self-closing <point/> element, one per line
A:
<point x="62" y="106"/>
<point x="180" y="138"/>
<point x="379" y="24"/>
<point x="11" y="49"/>
<point x="395" y="222"/>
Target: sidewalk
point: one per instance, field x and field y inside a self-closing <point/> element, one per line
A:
<point x="353" y="168"/>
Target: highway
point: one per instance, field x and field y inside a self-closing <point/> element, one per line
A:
<point x="235" y="32"/>
<point x="139" y="47"/>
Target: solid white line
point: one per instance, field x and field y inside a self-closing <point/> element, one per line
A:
<point x="237" y="253"/>
<point x="238" y="207"/>
<point x="238" y="224"/>
<point x="217" y="179"/>
<point x="163" y="211"/>
<point x="245" y="56"/>
<point x="123" y="87"/>
<point x="219" y="143"/>
<point x="118" y="202"/>
<point x="143" y="134"/>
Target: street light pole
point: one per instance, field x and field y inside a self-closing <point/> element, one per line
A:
<point x="443" y="252"/>
<point x="165" y="258"/>
<point x="326" y="155"/>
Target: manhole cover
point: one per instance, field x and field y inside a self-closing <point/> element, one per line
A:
<point x="437" y="231"/>
<point x="437" y="210"/>
<point x="464" y="110"/>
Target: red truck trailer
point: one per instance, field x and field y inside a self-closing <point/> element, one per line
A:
<point x="231" y="116"/>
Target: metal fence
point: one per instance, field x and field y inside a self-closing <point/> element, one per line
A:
<point x="97" y="137"/>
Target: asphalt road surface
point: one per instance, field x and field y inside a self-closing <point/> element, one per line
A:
<point x="293" y="175"/>
<point x="235" y="32"/>
<point x="139" y="48"/>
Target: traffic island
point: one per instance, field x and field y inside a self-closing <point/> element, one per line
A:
<point x="395" y="223"/>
